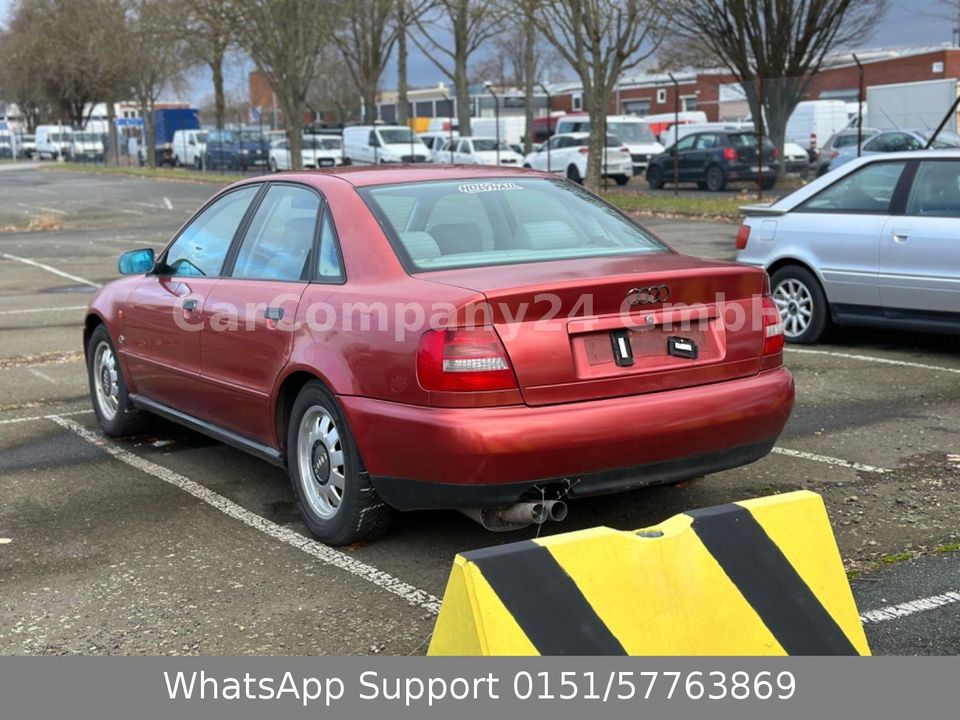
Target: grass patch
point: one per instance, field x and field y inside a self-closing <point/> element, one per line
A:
<point x="952" y="547"/>
<point x="724" y="207"/>
<point x="164" y="173"/>
<point x="854" y="574"/>
<point x="894" y="558"/>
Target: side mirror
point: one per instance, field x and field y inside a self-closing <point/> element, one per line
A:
<point x="137" y="262"/>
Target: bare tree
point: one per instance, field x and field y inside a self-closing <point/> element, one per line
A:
<point x="210" y="36"/>
<point x="284" y="38"/>
<point x="781" y="44"/>
<point x="366" y="42"/>
<point x="470" y="23"/>
<point x="601" y="39"/>
<point x="22" y="62"/>
<point x="406" y="13"/>
<point x="155" y="30"/>
<point x="332" y="87"/>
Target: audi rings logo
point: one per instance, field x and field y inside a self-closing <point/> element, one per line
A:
<point x="649" y="295"/>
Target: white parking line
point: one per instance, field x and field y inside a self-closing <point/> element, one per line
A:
<point x="55" y="211"/>
<point x="42" y="310"/>
<point x="414" y="596"/>
<point x="912" y="607"/>
<point x="42" y="375"/>
<point x="829" y="460"/>
<point x="169" y="205"/>
<point x="870" y="358"/>
<point x="33" y="418"/>
<point x="49" y="269"/>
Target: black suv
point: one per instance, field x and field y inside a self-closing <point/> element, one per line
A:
<point x="713" y="158"/>
<point x="236" y="150"/>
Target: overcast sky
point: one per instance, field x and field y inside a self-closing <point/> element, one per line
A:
<point x="904" y="24"/>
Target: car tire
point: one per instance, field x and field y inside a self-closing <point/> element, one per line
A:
<point x="176" y="161"/>
<point x="197" y="163"/>
<point x="768" y="183"/>
<point x="716" y="180"/>
<point x="321" y="452"/>
<point x="108" y="388"/>
<point x="702" y="184"/>
<point x="526" y="166"/>
<point x="655" y="177"/>
<point x="795" y="288"/>
<point x="573" y="175"/>
<point x="621" y="180"/>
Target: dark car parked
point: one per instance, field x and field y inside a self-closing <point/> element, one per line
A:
<point x="236" y="150"/>
<point x="714" y="158"/>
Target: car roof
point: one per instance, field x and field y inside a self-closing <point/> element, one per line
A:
<point x="367" y="176"/>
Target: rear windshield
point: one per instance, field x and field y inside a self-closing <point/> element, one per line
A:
<point x="632" y="132"/>
<point x="475" y="223"/>
<point x="485" y="145"/>
<point x="747" y="139"/>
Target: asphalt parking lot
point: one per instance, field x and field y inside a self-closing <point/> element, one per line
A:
<point x="175" y="544"/>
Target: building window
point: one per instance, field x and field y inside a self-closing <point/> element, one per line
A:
<point x="661" y="96"/>
<point x="688" y="103"/>
<point x="637" y="107"/>
<point x="577" y="102"/>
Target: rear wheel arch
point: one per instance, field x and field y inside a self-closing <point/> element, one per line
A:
<point x="286" y="395"/>
<point x="787" y="261"/>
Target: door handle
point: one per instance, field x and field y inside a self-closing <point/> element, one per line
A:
<point x="273" y="313"/>
<point x="189" y="305"/>
<point x="899" y="236"/>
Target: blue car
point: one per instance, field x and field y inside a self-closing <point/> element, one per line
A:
<point x="236" y="150"/>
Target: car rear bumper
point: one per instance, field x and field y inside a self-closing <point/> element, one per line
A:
<point x="421" y="457"/>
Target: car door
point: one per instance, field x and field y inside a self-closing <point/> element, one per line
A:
<point x="254" y="308"/>
<point x="838" y="231"/>
<point x="464" y="152"/>
<point x="165" y="313"/>
<point x="693" y="161"/>
<point x="920" y="250"/>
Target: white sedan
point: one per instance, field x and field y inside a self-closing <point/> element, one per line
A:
<point x="484" y="151"/>
<point x="566" y="154"/>
<point x="315" y="151"/>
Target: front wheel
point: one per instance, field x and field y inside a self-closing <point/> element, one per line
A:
<point x="336" y="500"/>
<point x="802" y="304"/>
<point x="108" y="388"/>
<point x="655" y="177"/>
<point x="621" y="179"/>
<point x="573" y="174"/>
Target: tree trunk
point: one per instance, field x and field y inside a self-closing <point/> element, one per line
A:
<point x="219" y="100"/>
<point x="369" y="80"/>
<point x="402" y="114"/>
<point x="149" y="142"/>
<point x="293" y="112"/>
<point x="113" y="151"/>
<point x="596" y="98"/>
<point x="529" y="68"/>
<point x="460" y="79"/>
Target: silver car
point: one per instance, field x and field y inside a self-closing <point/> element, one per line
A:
<point x="876" y="242"/>
<point x="890" y="141"/>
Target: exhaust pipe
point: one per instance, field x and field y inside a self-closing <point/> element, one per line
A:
<point x="518" y="515"/>
<point x="556" y="510"/>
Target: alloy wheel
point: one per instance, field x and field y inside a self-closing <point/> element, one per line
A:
<point x="795" y="304"/>
<point x="320" y="460"/>
<point x="106" y="381"/>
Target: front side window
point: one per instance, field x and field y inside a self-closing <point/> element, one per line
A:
<point x="707" y="142"/>
<point x="632" y="132"/>
<point x="278" y="243"/>
<point x="687" y="142"/>
<point x="202" y="246"/>
<point x="893" y="142"/>
<point x="474" y="223"/>
<point x="868" y="189"/>
<point x="936" y="190"/>
<point x="464" y="147"/>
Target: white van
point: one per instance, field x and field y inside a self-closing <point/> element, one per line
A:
<point x="53" y="141"/>
<point x="512" y="128"/>
<point x="189" y="147"/>
<point x="631" y="130"/>
<point x="813" y="122"/>
<point x="85" y="146"/>
<point x="380" y="144"/>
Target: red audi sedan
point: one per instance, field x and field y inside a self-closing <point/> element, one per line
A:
<point x="492" y="340"/>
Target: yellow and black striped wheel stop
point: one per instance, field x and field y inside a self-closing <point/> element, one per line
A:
<point x="759" y="577"/>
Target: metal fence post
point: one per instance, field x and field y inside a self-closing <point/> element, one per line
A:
<point x="760" y="128"/>
<point x="676" y="135"/>
<point x="549" y="132"/>
<point x="859" y="105"/>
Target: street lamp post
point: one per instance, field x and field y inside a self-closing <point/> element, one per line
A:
<point x="496" y="116"/>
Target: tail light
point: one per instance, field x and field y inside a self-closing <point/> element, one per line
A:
<point x="730" y="154"/>
<point x="743" y="235"/>
<point x="772" y="327"/>
<point x="464" y="361"/>
<point x="775" y="154"/>
<point x="625" y="149"/>
<point x="584" y="150"/>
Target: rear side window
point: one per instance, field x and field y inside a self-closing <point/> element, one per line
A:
<point x="202" y="246"/>
<point x="278" y="243"/>
<point x="868" y="189"/>
<point x="474" y="223"/>
<point x="936" y="190"/>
